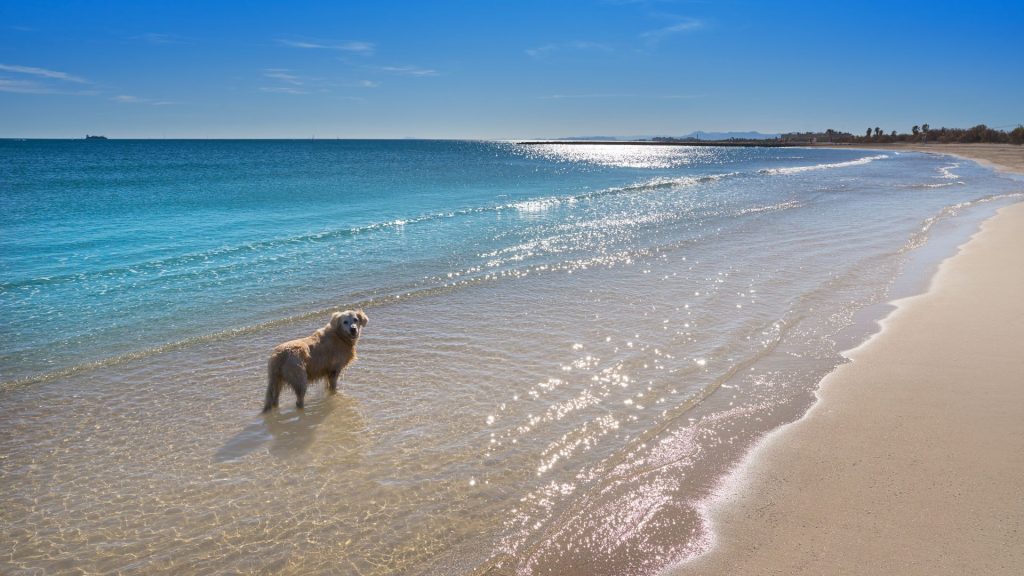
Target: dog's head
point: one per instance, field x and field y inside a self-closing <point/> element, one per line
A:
<point x="349" y="324"/>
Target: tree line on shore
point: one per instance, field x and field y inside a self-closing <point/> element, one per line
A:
<point x="920" y="134"/>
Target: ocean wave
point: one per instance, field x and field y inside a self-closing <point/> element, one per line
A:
<point x="544" y="203"/>
<point x="938" y="185"/>
<point x="603" y="491"/>
<point x="920" y="237"/>
<point x="657" y="183"/>
<point x="574" y="237"/>
<point x="203" y="257"/>
<point x="799" y="169"/>
<point x="427" y="287"/>
<point x="947" y="172"/>
<point x="771" y="208"/>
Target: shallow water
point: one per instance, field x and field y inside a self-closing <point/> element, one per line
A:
<point x="568" y="345"/>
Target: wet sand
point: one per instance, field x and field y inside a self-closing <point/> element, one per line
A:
<point x="912" y="459"/>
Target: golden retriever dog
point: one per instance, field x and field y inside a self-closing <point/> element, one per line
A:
<point x="321" y="355"/>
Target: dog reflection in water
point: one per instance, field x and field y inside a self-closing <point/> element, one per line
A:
<point x="320" y="356"/>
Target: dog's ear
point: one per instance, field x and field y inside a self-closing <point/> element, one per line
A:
<point x="336" y="319"/>
<point x="363" y="320"/>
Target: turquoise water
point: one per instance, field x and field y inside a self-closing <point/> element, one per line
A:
<point x="110" y="247"/>
<point x="116" y="247"/>
<point x="568" y="345"/>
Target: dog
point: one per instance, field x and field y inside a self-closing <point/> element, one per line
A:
<point x="321" y="355"/>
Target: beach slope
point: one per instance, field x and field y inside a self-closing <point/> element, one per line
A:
<point x="912" y="460"/>
<point x="1001" y="157"/>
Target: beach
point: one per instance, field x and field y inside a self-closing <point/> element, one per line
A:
<point x="1002" y="157"/>
<point x="645" y="288"/>
<point x="910" y="461"/>
<point x="568" y="348"/>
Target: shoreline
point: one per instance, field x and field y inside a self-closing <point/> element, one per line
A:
<point x="615" y="443"/>
<point x="906" y="462"/>
<point x="1006" y="158"/>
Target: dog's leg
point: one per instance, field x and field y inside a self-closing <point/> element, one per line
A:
<point x="273" y="394"/>
<point x="332" y="380"/>
<point x="295" y="375"/>
<point x="300" y="391"/>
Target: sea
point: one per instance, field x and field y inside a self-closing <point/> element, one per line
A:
<point x="569" y="345"/>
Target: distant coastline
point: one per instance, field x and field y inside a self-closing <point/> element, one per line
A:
<point x="669" y="142"/>
<point x="922" y="135"/>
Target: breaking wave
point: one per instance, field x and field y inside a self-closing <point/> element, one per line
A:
<point x="799" y="169"/>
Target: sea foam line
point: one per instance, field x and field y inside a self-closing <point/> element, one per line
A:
<point x="947" y="172"/>
<point x="799" y="169"/>
<point x="919" y="238"/>
<point x="543" y="203"/>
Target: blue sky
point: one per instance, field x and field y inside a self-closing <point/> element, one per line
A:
<point x="516" y="69"/>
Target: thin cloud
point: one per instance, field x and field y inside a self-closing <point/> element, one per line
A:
<point x="128" y="99"/>
<point x="282" y="90"/>
<point x="415" y="71"/>
<point x="290" y="83"/>
<point x="686" y="25"/>
<point x="155" y="38"/>
<point x="23" y="87"/>
<point x="577" y="96"/>
<point x="36" y="80"/>
<point x="355" y="47"/>
<point x="653" y="2"/>
<point x="367" y="84"/>
<point x="541" y="51"/>
<point x="43" y="73"/>
<point x="548" y="49"/>
<point x="297" y="44"/>
<point x="622" y="95"/>
<point x="283" y="75"/>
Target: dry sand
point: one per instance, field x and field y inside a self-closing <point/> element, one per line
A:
<point x="1003" y="157"/>
<point x="912" y="460"/>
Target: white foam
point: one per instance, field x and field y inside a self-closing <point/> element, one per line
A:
<point x="772" y="208"/>
<point x="947" y="172"/>
<point x="799" y="169"/>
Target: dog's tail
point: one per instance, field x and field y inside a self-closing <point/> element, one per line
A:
<point x="273" y="389"/>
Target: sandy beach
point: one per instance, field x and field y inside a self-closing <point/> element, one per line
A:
<point x="911" y="460"/>
<point x="561" y="365"/>
<point x="1002" y="157"/>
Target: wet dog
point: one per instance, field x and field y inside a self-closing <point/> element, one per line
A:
<point x="321" y="355"/>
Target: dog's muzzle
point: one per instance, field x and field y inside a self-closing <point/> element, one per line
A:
<point x="354" y="332"/>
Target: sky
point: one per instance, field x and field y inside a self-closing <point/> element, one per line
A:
<point x="504" y="69"/>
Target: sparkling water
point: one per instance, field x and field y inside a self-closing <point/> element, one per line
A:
<point x="568" y="344"/>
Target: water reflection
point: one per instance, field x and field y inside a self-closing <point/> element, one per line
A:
<point x="291" y="432"/>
